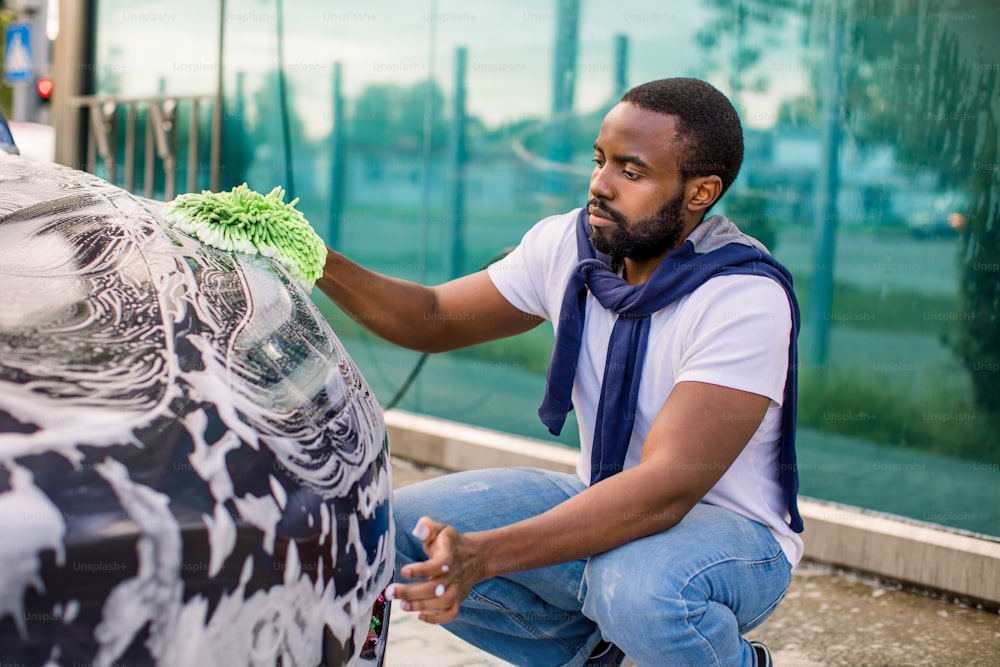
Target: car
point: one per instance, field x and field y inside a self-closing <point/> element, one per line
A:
<point x="193" y="471"/>
<point x="36" y="141"/>
<point x="7" y="144"/>
<point x="942" y="219"/>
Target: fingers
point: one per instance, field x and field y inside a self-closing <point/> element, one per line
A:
<point x="432" y="567"/>
<point x="438" y="562"/>
<point x="436" y="601"/>
<point x="423" y="595"/>
<point x="439" y="587"/>
<point x="422" y="531"/>
<point x="427" y="529"/>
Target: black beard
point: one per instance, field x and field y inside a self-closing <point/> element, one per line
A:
<point x="642" y="239"/>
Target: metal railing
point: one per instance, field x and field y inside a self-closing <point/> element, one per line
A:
<point x="112" y="145"/>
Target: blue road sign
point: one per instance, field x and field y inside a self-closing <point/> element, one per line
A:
<point x="18" y="67"/>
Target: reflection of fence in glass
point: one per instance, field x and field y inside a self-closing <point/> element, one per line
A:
<point x="147" y="144"/>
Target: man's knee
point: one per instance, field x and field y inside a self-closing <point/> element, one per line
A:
<point x="613" y="582"/>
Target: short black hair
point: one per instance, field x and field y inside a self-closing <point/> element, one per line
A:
<point x="709" y="127"/>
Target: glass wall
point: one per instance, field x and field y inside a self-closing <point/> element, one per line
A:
<point x="424" y="138"/>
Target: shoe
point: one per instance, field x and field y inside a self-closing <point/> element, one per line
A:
<point x="762" y="654"/>
<point x="605" y="654"/>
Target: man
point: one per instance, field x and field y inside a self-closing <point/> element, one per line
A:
<point x="676" y="335"/>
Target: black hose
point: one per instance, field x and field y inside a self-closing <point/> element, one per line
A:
<point x="417" y="367"/>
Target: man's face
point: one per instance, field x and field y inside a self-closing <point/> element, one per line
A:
<point x="641" y="239"/>
<point x="637" y="198"/>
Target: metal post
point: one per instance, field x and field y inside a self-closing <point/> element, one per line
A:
<point x="827" y="187"/>
<point x="233" y="172"/>
<point x="286" y="125"/>
<point x="428" y="150"/>
<point x="337" y="164"/>
<point x="563" y="85"/>
<point x="457" y="180"/>
<point x="130" y="145"/>
<point x="192" y="149"/>
<point x="215" y="154"/>
<point x="69" y="55"/>
<point x="620" y="82"/>
<point x="149" y="154"/>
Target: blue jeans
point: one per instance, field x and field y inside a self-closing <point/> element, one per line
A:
<point x="680" y="597"/>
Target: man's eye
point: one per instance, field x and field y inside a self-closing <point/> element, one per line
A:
<point x="630" y="175"/>
<point x="598" y="161"/>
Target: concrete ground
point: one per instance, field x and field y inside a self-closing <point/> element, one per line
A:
<point x="827" y="619"/>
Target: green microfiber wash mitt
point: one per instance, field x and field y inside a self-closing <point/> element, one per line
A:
<point x="246" y="221"/>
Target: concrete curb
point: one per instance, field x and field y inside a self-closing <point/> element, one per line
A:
<point x="918" y="554"/>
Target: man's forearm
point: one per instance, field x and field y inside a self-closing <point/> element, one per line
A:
<point x="462" y="312"/>
<point x="391" y="308"/>
<point x="620" y="509"/>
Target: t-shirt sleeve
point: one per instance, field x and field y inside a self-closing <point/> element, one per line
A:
<point x="739" y="335"/>
<point x="529" y="277"/>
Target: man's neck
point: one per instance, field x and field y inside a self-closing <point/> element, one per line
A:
<point x="637" y="272"/>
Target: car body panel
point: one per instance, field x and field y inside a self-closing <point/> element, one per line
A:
<point x="192" y="469"/>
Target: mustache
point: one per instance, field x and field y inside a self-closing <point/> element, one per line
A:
<point x="605" y="212"/>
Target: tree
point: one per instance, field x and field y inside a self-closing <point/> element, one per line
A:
<point x="727" y="33"/>
<point x="392" y="115"/>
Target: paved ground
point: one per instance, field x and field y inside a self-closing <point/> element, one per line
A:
<point x="828" y="619"/>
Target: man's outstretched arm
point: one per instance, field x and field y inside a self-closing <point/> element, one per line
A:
<point x="461" y="312"/>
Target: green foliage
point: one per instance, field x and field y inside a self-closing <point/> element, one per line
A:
<point x="748" y="209"/>
<point x="929" y="97"/>
<point x="895" y="310"/>
<point x="935" y="420"/>
<point x="726" y="33"/>
<point x="237" y="141"/>
<point x="978" y="345"/>
<point x="925" y="80"/>
<point x="390" y="115"/>
<point x="6" y="92"/>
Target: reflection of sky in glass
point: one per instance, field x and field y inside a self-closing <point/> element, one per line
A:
<point x="510" y="50"/>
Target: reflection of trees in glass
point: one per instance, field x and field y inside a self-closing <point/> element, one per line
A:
<point x="923" y="78"/>
<point x="267" y="106"/>
<point x="109" y="79"/>
<point x="394" y="115"/>
<point x="261" y="142"/>
<point x="921" y="83"/>
<point x="236" y="139"/>
<point x="726" y="33"/>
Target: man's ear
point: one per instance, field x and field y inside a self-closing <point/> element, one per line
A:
<point x="703" y="192"/>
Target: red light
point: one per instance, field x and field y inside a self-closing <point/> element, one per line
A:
<point x="44" y="87"/>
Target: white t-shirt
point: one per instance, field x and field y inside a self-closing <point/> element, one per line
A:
<point x="732" y="331"/>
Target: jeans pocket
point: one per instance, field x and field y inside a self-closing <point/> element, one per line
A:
<point x="777" y="567"/>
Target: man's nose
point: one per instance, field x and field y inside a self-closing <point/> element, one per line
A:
<point x="600" y="185"/>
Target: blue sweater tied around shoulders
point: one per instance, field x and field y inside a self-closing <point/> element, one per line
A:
<point x="680" y="273"/>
